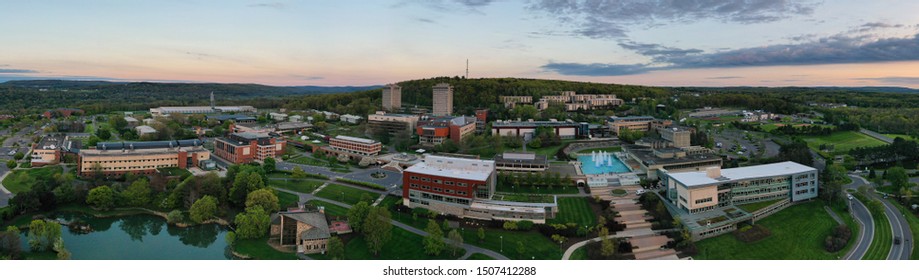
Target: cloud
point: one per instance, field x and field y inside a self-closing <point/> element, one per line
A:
<point x="471" y="6"/>
<point x="609" y="18"/>
<point x="597" y="69"/>
<point x="725" y="78"/>
<point x="16" y="71"/>
<point x="474" y="3"/>
<point x="424" y="20"/>
<point x="893" y="80"/>
<point x="829" y="50"/>
<point x="871" y="26"/>
<point x="308" y="78"/>
<point x="271" y="5"/>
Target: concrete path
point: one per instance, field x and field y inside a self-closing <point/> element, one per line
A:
<point x="833" y="214"/>
<point x="320" y="187"/>
<point x="470" y="249"/>
<point x="5" y="195"/>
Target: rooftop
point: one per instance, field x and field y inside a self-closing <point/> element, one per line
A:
<point x="646" y="156"/>
<point x="532" y="123"/>
<point x="230" y="117"/>
<point x="701" y="178"/>
<point x="51" y="142"/>
<point x="355" y="139"/>
<point x="145" y="129"/>
<point x="520" y="158"/>
<point x="148" y="144"/>
<point x="147" y="151"/>
<point x="316" y="220"/>
<point x="460" y="168"/>
<point x="630" y="118"/>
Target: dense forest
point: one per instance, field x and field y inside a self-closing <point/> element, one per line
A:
<point x="100" y="97"/>
<point x="886" y="112"/>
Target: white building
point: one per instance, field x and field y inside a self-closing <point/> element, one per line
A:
<point x="165" y="111"/>
<point x="352" y="119"/>
<point x="443" y="99"/>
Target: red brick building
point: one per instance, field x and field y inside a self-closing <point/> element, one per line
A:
<point x="64" y="112"/>
<point x="434" y="131"/>
<point x="239" y="148"/>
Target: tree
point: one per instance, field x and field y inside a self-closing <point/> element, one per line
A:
<point x="253" y="223"/>
<point x="510" y="225"/>
<point x="434" y="241"/>
<point x="203" y="209"/>
<point x="536" y="143"/>
<point x="65" y="193"/>
<point x="102" y="197"/>
<point x="104" y="134"/>
<point x="298" y="173"/>
<point x="456" y="240"/>
<point x="62" y="253"/>
<point x="481" y="234"/>
<point x="264" y="198"/>
<point x="174" y="217"/>
<point x="377" y="229"/>
<point x="521" y="249"/>
<point x="336" y="248"/>
<point x="270" y="165"/>
<point x="10" y="164"/>
<point x="898" y="177"/>
<point x="357" y="214"/>
<point x="18" y="156"/>
<point x="42" y="235"/>
<point x="10" y="243"/>
<point x="607" y="246"/>
<point x="138" y="193"/>
<point x="231" y="238"/>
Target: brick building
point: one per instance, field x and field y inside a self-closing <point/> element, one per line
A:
<point x="246" y="147"/>
<point x="118" y="158"/>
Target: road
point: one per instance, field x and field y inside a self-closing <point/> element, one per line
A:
<point x="393" y="180"/>
<point x="864" y="219"/>
<point x="469" y="248"/>
<point x="898" y="224"/>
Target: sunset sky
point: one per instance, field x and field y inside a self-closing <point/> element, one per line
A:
<point x="653" y="42"/>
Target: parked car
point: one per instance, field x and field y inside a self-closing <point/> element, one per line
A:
<point x="849" y="196"/>
<point x="639" y="191"/>
<point x="896" y="240"/>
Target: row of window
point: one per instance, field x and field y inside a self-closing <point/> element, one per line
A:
<point x="704" y="200"/>
<point x="436" y="189"/>
<point x="136" y="167"/>
<point x="128" y="161"/>
<point x="438" y="181"/>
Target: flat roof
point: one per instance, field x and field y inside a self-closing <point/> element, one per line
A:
<point x="533" y="123"/>
<point x="520" y="158"/>
<point x="700" y="178"/>
<point x="646" y="156"/>
<point x="355" y="139"/>
<point x="629" y="118"/>
<point x="129" y="152"/>
<point x="148" y="144"/>
<point x="452" y="167"/>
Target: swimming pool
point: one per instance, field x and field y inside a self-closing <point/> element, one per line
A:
<point x="614" y="165"/>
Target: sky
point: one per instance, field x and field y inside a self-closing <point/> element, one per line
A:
<point x="350" y="42"/>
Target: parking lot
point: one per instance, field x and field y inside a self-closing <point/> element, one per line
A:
<point x="739" y="143"/>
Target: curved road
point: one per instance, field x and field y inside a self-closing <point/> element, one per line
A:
<point x="469" y="248"/>
<point x="898" y="224"/>
<point x="866" y="234"/>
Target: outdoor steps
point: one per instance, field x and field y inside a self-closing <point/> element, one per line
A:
<point x="626" y="207"/>
<point x="633" y="232"/>
<point x="638" y="225"/>
<point x="632" y="219"/>
<point x="648" y="243"/>
<point x="668" y="257"/>
<point x="632" y="212"/>
<point x="656" y="254"/>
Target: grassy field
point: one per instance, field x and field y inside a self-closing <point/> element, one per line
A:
<point x="17" y="183"/>
<point x="479" y="256"/>
<point x="260" y="250"/>
<point x="574" y="210"/>
<point x="302" y="186"/>
<point x="904" y="136"/>
<point x="883" y="238"/>
<point x="404" y="245"/>
<point x="538" y="246"/>
<point x="750" y="208"/>
<point x="607" y="149"/>
<point x="798" y="233"/>
<point x="548" y="151"/>
<point x="287" y="200"/>
<point x="843" y="141"/>
<point x="331" y="209"/>
<point x="390" y="200"/>
<point x="344" y="194"/>
<point x="319" y="162"/>
<point x="541" y="190"/>
<point x="579" y="254"/>
<point x="913" y="225"/>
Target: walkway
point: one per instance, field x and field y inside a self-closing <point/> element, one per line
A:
<point x="469" y="248"/>
<point x="5" y="195"/>
<point x="833" y="214"/>
<point x="877" y="136"/>
<point x="865" y="221"/>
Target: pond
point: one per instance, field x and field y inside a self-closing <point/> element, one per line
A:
<point x="141" y="237"/>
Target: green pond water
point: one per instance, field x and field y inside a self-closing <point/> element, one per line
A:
<point x="141" y="237"/>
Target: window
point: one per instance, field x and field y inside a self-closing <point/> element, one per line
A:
<point x="436" y="181"/>
<point x="448" y="183"/>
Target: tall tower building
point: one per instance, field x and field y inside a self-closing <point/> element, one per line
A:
<point x="443" y="99"/>
<point x="392" y="97"/>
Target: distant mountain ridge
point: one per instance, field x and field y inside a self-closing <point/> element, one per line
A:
<point x="73" y="84"/>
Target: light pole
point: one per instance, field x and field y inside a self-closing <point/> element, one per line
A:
<point x="502" y="243"/>
<point x="342" y="196"/>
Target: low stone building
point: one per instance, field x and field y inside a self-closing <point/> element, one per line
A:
<point x="308" y="230"/>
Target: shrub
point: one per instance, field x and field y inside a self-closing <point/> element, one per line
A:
<point x="510" y="225"/>
<point x="752" y="234"/>
<point x="837" y="239"/>
<point x="524" y="225"/>
<point x="362" y="183"/>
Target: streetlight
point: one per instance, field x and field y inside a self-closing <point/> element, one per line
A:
<point x="502" y="243"/>
<point x="342" y="196"/>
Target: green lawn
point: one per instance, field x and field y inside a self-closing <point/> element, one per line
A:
<point x="913" y="225"/>
<point x="883" y="238"/>
<point x="579" y="254"/>
<point x="260" y="250"/>
<point x="607" y="149"/>
<point x="344" y="194"/>
<point x="318" y="162"/>
<point x="330" y="209"/>
<point x="750" y="208"/>
<point x="287" y="200"/>
<point x="479" y="257"/>
<point x="548" y="151"/>
<point x="843" y="141"/>
<point x="404" y="245"/>
<point x="537" y="245"/>
<point x="541" y="190"/>
<point x="390" y="200"/>
<point x="302" y="186"/>
<point x="574" y="210"/>
<point x="16" y="182"/>
<point x="904" y="136"/>
<point x="798" y="233"/>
